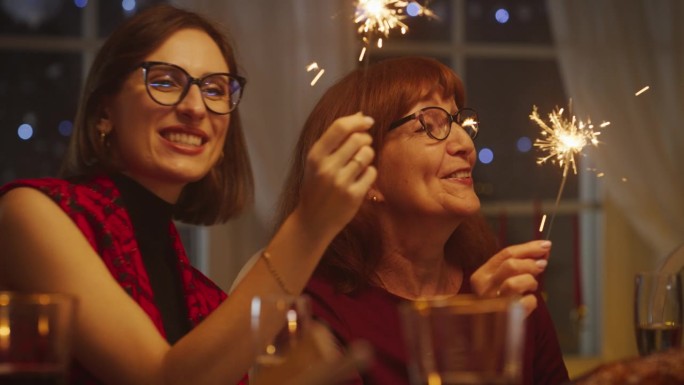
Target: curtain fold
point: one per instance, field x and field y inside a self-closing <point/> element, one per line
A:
<point x="609" y="50"/>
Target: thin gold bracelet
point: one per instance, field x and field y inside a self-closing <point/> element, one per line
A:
<point x="266" y="256"/>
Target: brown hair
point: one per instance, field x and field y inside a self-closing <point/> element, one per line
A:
<point x="228" y="187"/>
<point x="386" y="91"/>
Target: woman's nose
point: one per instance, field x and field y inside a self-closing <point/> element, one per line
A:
<point x="193" y="103"/>
<point x="459" y="142"/>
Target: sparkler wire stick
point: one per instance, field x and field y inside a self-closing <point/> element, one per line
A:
<point x="558" y="197"/>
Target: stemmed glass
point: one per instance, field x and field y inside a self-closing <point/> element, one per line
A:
<point x="657" y="311"/>
<point x="280" y="327"/>
<point x="464" y="340"/>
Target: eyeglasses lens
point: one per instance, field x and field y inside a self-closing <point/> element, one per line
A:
<point x="167" y="85"/>
<point x="436" y="122"/>
<point x="469" y="121"/>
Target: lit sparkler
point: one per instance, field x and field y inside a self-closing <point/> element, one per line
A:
<point x="383" y="16"/>
<point x="562" y="140"/>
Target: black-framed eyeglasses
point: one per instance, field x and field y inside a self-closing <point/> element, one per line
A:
<point x="167" y="84"/>
<point x="436" y="121"/>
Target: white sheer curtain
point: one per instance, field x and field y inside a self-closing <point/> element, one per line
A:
<point x="609" y="50"/>
<point x="275" y="42"/>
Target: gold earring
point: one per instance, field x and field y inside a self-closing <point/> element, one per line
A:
<point x="104" y="127"/>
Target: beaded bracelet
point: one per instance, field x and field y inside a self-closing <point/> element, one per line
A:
<point x="266" y="256"/>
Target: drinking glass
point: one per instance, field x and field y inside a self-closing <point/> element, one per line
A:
<point x="35" y="338"/>
<point x="657" y="311"/>
<point x="464" y="340"/>
<point x="280" y="326"/>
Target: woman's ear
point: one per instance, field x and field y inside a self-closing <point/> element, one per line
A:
<point x="104" y="126"/>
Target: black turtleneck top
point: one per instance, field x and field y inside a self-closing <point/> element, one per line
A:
<point x="151" y="217"/>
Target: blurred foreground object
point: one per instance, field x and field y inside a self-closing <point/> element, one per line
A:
<point x="316" y="360"/>
<point x="663" y="368"/>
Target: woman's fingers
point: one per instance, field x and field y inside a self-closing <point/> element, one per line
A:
<point x="533" y="249"/>
<point x="529" y="303"/>
<point x="349" y="130"/>
<point x="512" y="270"/>
<point x="518" y="285"/>
<point x="338" y="173"/>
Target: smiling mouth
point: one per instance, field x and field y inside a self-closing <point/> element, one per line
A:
<point x="461" y="174"/>
<point x="183" y="138"/>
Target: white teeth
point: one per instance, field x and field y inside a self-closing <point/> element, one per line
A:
<point x="460" y="174"/>
<point x="182" y="138"/>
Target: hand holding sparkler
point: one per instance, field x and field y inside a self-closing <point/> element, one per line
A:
<point x="562" y="140"/>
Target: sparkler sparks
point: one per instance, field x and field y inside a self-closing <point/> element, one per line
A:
<point x="641" y="91"/>
<point x="382" y="16"/>
<point x="313" y="67"/>
<point x="562" y="140"/>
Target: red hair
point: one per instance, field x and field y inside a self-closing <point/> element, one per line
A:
<point x="386" y="91"/>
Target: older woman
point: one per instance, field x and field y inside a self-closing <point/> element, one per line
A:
<point x="418" y="234"/>
<point x="158" y="137"/>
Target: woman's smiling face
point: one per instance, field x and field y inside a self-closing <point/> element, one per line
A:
<point x="419" y="176"/>
<point x="166" y="147"/>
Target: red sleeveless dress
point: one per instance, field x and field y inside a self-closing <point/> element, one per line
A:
<point x="95" y="206"/>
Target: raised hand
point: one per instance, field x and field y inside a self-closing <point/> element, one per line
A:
<point x="513" y="271"/>
<point x="338" y="173"/>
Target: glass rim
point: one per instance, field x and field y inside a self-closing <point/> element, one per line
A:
<point x="464" y="303"/>
<point x="655" y="273"/>
<point x="42" y="298"/>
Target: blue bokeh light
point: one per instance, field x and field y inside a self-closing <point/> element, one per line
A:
<point x="25" y="131"/>
<point x="64" y="127"/>
<point x="524" y="144"/>
<point x="413" y="9"/>
<point x="502" y="15"/>
<point x="81" y="3"/>
<point x="128" y="5"/>
<point x="486" y="156"/>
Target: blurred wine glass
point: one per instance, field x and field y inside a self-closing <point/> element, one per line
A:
<point x="464" y="340"/>
<point x="657" y="311"/>
<point x="35" y="338"/>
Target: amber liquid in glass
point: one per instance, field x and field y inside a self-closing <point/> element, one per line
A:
<point x="658" y="337"/>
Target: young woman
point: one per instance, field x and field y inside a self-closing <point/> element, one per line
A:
<point x="158" y="137"/>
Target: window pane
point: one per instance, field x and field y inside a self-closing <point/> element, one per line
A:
<point x="433" y="29"/>
<point x="112" y="13"/>
<point x="509" y="21"/>
<point x="46" y="17"/>
<point x="503" y="91"/>
<point x="39" y="104"/>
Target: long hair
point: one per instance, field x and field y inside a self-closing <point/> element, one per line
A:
<point x="228" y="187"/>
<point x="385" y="91"/>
